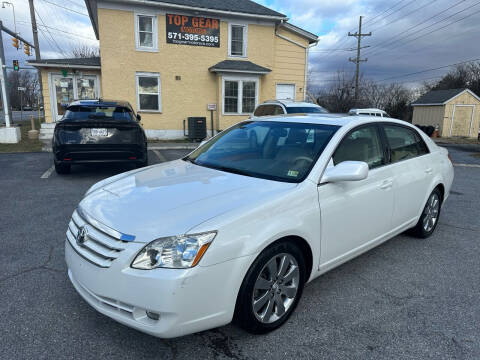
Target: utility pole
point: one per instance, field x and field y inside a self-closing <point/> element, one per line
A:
<point x="357" y="60"/>
<point x="37" y="46"/>
<point x="3" y="79"/>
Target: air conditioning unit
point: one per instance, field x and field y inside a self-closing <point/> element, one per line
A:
<point x="197" y="128"/>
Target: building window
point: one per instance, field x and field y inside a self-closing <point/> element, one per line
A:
<point x="237" y="45"/>
<point x="231" y="97"/>
<point x="146" y="36"/>
<point x="248" y="96"/>
<point x="149" y="96"/>
<point x="239" y="96"/>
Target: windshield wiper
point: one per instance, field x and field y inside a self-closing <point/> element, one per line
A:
<point x="189" y="159"/>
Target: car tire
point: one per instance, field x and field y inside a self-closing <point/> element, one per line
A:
<point x="62" y="169"/>
<point x="428" y="221"/>
<point x="271" y="288"/>
<point x="143" y="163"/>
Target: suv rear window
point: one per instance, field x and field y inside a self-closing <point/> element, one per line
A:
<point x="98" y="112"/>
<point x="306" y="110"/>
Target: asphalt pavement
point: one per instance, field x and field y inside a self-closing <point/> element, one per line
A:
<point x="406" y="299"/>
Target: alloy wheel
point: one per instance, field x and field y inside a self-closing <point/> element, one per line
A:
<point x="276" y="287"/>
<point x="431" y="212"/>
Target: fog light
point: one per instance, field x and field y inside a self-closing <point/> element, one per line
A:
<point x="152" y="315"/>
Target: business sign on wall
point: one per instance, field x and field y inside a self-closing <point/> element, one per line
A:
<point x="193" y="30"/>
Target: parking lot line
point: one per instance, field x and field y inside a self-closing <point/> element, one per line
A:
<point x="47" y="173"/>
<point x="468" y="165"/>
<point x="160" y="156"/>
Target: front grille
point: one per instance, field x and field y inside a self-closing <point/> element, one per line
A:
<point x="95" y="245"/>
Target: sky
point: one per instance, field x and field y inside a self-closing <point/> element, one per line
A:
<point x="408" y="36"/>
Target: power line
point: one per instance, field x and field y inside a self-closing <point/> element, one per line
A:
<point x="393" y="12"/>
<point x="389" y="40"/>
<point x="435" y="30"/>
<point x="405" y="15"/>
<point x="53" y="39"/>
<point x="433" y="69"/>
<point x="66" y="8"/>
<point x="60" y="30"/>
<point x="383" y="12"/>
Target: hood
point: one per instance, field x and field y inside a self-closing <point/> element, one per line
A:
<point x="171" y="198"/>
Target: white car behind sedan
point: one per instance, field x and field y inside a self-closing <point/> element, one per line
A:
<point x="234" y="230"/>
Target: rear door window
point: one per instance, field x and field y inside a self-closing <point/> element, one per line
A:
<point x="268" y="110"/>
<point x="404" y="143"/>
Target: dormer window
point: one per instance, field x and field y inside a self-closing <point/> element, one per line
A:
<point x="237" y="40"/>
<point x="146" y="36"/>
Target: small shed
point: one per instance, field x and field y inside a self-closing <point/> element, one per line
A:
<point x="455" y="111"/>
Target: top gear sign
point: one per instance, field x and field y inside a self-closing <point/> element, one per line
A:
<point x="193" y="30"/>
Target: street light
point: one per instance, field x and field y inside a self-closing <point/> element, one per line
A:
<point x="13" y="8"/>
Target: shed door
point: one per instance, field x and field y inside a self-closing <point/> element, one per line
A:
<point x="285" y="91"/>
<point x="462" y="119"/>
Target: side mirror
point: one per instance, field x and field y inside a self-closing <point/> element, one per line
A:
<point x="139" y="117"/>
<point x="346" y="171"/>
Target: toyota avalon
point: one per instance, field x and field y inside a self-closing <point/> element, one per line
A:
<point x="234" y="230"/>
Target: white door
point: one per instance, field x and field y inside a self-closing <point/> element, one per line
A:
<point x="356" y="213"/>
<point x="285" y="91"/>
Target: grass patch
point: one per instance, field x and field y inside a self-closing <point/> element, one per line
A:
<point x="25" y="144"/>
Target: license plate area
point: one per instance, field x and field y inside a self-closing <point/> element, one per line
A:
<point x="99" y="132"/>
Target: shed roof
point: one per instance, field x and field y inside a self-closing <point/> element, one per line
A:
<point x="239" y="66"/>
<point x="441" y="97"/>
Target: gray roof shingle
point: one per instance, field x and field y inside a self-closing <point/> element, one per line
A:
<point x="93" y="61"/>
<point x="243" y="6"/>
<point x="239" y="66"/>
<point x="437" y="96"/>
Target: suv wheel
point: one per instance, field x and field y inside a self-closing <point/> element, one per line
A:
<point x="62" y="168"/>
<point x="271" y="289"/>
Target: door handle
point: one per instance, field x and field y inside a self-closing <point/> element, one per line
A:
<point x="429" y="170"/>
<point x="386" y="184"/>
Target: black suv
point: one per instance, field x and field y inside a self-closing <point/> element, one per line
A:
<point x="98" y="131"/>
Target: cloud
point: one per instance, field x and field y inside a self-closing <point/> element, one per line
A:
<point x="394" y="47"/>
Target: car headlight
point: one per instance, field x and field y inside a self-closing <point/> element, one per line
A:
<point x="174" y="252"/>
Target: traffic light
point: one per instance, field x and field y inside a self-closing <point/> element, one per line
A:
<point x="15" y="65"/>
<point x="15" y="43"/>
<point x="26" y="49"/>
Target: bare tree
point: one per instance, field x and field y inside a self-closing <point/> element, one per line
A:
<point x="84" y="51"/>
<point x="29" y="81"/>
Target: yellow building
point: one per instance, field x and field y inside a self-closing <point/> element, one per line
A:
<point x="177" y="59"/>
<point x="456" y="112"/>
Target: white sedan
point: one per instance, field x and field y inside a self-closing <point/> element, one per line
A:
<point x="234" y="230"/>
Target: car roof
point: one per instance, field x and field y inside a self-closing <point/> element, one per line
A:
<point x="290" y="103"/>
<point x="100" y="102"/>
<point x="368" y="109"/>
<point x="328" y="119"/>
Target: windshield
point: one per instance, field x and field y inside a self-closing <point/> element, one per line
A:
<point x="83" y="112"/>
<point x="306" y="109"/>
<point x="266" y="149"/>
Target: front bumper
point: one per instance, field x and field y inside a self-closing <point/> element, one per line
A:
<point x="187" y="301"/>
